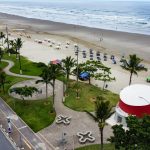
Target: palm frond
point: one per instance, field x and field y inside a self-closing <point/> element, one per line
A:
<point x="39" y="81"/>
<point x="91" y="115"/>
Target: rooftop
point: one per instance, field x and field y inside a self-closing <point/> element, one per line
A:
<point x="136" y="95"/>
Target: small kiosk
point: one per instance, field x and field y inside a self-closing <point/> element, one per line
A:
<point x="134" y="100"/>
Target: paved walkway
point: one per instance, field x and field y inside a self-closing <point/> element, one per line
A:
<point x="80" y="121"/>
<point x="10" y="65"/>
<point x="36" y="95"/>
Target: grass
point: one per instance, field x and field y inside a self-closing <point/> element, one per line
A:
<point x="35" y="113"/>
<point x="87" y="94"/>
<point x="28" y="67"/>
<point x="97" y="147"/>
<point x="3" y="64"/>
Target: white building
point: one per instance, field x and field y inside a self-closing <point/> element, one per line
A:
<point x="134" y="100"/>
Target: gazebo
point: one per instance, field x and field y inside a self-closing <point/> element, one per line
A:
<point x="134" y="100"/>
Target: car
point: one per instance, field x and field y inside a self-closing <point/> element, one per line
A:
<point x="148" y="79"/>
<point x="84" y="76"/>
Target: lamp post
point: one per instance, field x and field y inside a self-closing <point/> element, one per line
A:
<point x="7" y="39"/>
<point x="76" y="47"/>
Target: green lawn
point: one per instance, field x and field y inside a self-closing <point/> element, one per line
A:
<point x="97" y="147"/>
<point x="88" y="94"/>
<point x="35" y="113"/>
<point x="3" y="64"/>
<point x="28" y="67"/>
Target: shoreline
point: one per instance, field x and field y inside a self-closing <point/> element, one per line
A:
<point x="76" y="25"/>
<point x="69" y="25"/>
<point x="114" y="42"/>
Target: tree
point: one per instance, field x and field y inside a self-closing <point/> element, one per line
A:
<point x="3" y="80"/>
<point x="9" y="50"/>
<point x="136" y="137"/>
<point x="2" y="36"/>
<point x="18" y="45"/>
<point x="103" y="111"/>
<point x="1" y="54"/>
<point x="45" y="78"/>
<point x="68" y="64"/>
<point x="104" y="75"/>
<point x="7" y="42"/>
<point x="133" y="65"/>
<point x="91" y="67"/>
<point x="55" y="71"/>
<point x="24" y="91"/>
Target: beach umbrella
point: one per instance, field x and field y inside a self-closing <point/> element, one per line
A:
<point x="56" y="61"/>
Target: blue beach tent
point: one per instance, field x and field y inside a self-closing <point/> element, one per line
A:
<point x="84" y="76"/>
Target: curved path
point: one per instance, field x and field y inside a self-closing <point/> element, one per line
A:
<point x="80" y="121"/>
<point x="10" y="65"/>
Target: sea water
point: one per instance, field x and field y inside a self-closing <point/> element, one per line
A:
<point x="113" y="15"/>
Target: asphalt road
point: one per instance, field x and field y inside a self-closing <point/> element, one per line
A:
<point x="4" y="143"/>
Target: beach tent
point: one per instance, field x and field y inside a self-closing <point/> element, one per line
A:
<point x="84" y="76"/>
<point x="56" y="61"/>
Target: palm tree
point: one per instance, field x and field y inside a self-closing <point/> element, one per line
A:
<point x="45" y="78"/>
<point x="55" y="71"/>
<point x="7" y="42"/>
<point x="3" y="80"/>
<point x="68" y="64"/>
<point x="102" y="113"/>
<point x="18" y="45"/>
<point x="2" y="36"/>
<point x="12" y="44"/>
<point x="133" y="65"/>
<point x="1" y="54"/>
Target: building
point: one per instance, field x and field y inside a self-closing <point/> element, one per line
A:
<point x="134" y="100"/>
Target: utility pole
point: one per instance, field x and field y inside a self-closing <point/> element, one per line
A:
<point x="7" y="39"/>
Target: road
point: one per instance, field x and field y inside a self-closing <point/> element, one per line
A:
<point x="4" y="143"/>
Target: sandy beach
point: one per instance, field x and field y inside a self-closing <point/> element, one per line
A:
<point x="113" y="42"/>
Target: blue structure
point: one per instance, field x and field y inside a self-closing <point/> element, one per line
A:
<point x="84" y="76"/>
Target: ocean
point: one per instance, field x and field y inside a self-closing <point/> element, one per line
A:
<point x="121" y="16"/>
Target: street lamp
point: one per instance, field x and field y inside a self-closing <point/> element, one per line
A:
<point x="7" y="39"/>
<point x="76" y="48"/>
